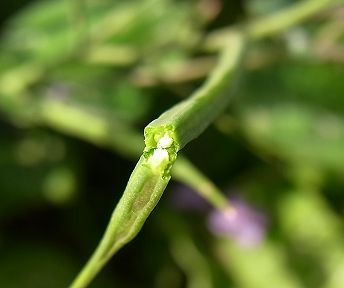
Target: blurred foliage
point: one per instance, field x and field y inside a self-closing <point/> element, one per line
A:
<point x="79" y="80"/>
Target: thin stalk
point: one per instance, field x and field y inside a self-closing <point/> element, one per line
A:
<point x="272" y="24"/>
<point x="185" y="172"/>
<point x="287" y="18"/>
<point x="105" y="130"/>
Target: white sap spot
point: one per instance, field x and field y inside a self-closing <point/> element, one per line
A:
<point x="165" y="141"/>
<point x="158" y="158"/>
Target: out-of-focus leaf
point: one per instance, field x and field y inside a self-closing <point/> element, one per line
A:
<point x="292" y="112"/>
<point x="35" y="266"/>
<point x="297" y="134"/>
<point x="315" y="234"/>
<point x="257" y="267"/>
<point x="30" y="174"/>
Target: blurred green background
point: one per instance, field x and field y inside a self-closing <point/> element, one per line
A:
<point x="79" y="80"/>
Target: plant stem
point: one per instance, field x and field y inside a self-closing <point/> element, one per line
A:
<point x="287" y="18"/>
<point x="271" y="24"/>
<point x="105" y="130"/>
<point x="185" y="172"/>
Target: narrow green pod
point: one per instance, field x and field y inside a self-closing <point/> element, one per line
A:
<point x="164" y="137"/>
<point x="143" y="192"/>
<point x="188" y="119"/>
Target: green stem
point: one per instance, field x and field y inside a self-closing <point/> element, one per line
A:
<point x="287" y="18"/>
<point x="185" y="172"/>
<point x="105" y="130"/>
<point x="271" y="24"/>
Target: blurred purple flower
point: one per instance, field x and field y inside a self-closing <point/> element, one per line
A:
<point x="246" y="225"/>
